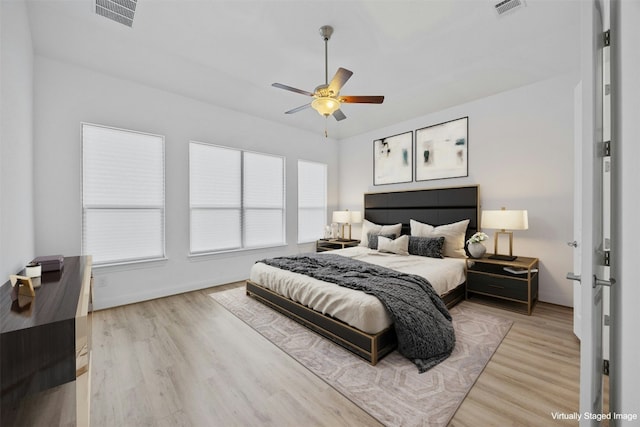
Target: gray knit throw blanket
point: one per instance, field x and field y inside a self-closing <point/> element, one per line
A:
<point x="421" y="319"/>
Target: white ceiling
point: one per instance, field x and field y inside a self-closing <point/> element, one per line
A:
<point x="423" y="56"/>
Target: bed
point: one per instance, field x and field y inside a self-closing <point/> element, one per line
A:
<point x="353" y="319"/>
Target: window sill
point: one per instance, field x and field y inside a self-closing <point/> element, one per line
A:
<point x="200" y="255"/>
<point x="130" y="264"/>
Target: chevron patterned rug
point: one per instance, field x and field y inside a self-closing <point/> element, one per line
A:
<point x="392" y="391"/>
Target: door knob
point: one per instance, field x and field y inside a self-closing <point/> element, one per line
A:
<point x="600" y="282"/>
<point x="573" y="244"/>
<point x="573" y="276"/>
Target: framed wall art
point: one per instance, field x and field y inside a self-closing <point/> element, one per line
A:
<point x="393" y="159"/>
<point x="442" y="150"/>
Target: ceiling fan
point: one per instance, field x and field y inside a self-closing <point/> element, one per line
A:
<point x="326" y="97"/>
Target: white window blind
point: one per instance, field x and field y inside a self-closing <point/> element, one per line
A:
<point x="122" y="195"/>
<point x="236" y="199"/>
<point x="263" y="194"/>
<point x="216" y="198"/>
<point x="312" y="200"/>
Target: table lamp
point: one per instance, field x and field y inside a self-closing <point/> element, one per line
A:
<point x="356" y="218"/>
<point x="504" y="220"/>
<point x="346" y="217"/>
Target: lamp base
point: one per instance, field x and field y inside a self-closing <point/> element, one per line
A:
<point x="498" y="256"/>
<point x="503" y="257"/>
<point x="342" y="237"/>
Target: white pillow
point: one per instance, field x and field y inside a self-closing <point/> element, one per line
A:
<point x="370" y="227"/>
<point x="398" y="246"/>
<point x="454" y="235"/>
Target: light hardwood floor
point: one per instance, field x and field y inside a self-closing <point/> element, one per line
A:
<point x="186" y="361"/>
<point x="534" y="373"/>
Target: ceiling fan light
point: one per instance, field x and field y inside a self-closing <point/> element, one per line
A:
<point x="325" y="105"/>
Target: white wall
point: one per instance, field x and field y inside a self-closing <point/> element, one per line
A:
<point x="67" y="95"/>
<point x="521" y="155"/>
<point x="625" y="349"/>
<point x="16" y="140"/>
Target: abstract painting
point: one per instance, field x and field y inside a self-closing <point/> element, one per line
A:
<point x="442" y="150"/>
<point x="393" y="159"/>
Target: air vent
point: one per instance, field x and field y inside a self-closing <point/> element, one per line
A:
<point x="507" y="6"/>
<point x="117" y="10"/>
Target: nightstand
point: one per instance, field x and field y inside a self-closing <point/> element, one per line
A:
<point x="488" y="277"/>
<point x="323" y="245"/>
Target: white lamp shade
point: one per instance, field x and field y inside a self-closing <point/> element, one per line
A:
<point x="341" y="217"/>
<point x="505" y="220"/>
<point x="356" y="217"/>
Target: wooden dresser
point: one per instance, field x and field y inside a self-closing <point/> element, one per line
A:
<point x="47" y="343"/>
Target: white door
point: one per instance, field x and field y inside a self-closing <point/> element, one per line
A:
<point x="577" y="210"/>
<point x="606" y="194"/>
<point x="606" y="199"/>
<point x="591" y="248"/>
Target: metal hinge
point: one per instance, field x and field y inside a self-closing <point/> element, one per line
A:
<point x="607" y="320"/>
<point x="607" y="258"/>
<point x="607" y="149"/>
<point x="606" y="36"/>
<point x="605" y="367"/>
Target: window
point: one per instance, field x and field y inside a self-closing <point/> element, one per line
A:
<point x="215" y="194"/>
<point x="312" y="200"/>
<point x="263" y="199"/>
<point x="236" y="199"/>
<point x="122" y="195"/>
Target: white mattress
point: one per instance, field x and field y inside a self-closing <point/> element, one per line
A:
<point x="360" y="310"/>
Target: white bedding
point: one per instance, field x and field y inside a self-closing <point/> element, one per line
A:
<point x="360" y="310"/>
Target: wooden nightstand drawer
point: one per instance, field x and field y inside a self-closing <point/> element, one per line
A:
<point x="515" y="282"/>
<point x="503" y="287"/>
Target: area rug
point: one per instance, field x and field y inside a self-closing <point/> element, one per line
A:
<point x="393" y="391"/>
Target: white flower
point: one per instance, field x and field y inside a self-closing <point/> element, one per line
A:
<point x="478" y="237"/>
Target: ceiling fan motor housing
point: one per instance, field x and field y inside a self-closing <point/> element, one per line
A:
<point x="323" y="90"/>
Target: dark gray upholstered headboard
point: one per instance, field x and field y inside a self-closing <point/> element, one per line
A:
<point x="436" y="206"/>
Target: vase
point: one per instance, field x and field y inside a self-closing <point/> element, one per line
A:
<point x="476" y="250"/>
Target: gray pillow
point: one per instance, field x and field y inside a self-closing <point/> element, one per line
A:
<point x="426" y="246"/>
<point x="373" y="239"/>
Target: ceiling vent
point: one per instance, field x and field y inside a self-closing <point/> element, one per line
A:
<point x="507" y="6"/>
<point x="117" y="10"/>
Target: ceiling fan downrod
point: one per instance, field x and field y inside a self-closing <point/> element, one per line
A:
<point x="325" y="32"/>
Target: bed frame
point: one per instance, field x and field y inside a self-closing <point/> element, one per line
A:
<point x="433" y="206"/>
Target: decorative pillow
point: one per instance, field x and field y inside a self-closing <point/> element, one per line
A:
<point x="373" y="239"/>
<point x="426" y="246"/>
<point x="398" y="246"/>
<point x="370" y="227"/>
<point x="454" y="235"/>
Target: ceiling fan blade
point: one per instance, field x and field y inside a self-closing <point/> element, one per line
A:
<point x="292" y="89"/>
<point x="341" y="77"/>
<point x="339" y="115"/>
<point x="362" y="99"/>
<point x="300" y="108"/>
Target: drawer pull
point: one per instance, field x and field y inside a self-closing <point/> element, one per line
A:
<point x="496" y="286"/>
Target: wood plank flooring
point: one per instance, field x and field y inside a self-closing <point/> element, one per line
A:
<point x="534" y="373"/>
<point x="186" y="361"/>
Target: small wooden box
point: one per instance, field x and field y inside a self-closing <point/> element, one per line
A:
<point x="50" y="262"/>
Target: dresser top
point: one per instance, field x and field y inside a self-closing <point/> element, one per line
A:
<point x="56" y="299"/>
